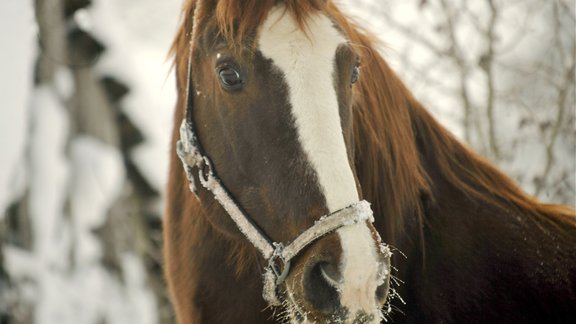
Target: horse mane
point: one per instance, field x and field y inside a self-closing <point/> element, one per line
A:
<point x="388" y="125"/>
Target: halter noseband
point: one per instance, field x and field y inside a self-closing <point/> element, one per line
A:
<point x="278" y="254"/>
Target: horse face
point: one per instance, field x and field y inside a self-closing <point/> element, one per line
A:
<point x="274" y="115"/>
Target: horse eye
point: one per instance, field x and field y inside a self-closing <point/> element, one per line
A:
<point x="355" y="74"/>
<point x="230" y="78"/>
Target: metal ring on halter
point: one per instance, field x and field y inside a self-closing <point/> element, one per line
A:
<point x="204" y="170"/>
<point x="273" y="263"/>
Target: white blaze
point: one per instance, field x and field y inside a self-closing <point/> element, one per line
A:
<point x="307" y="61"/>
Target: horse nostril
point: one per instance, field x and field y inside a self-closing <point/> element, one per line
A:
<point x="382" y="291"/>
<point x="330" y="274"/>
<point x="320" y="287"/>
<point x="383" y="286"/>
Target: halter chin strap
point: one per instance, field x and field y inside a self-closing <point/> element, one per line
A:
<point x="278" y="255"/>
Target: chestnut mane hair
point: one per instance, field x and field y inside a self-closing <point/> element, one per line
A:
<point x="393" y="131"/>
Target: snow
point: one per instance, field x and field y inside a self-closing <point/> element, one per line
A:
<point x="143" y="304"/>
<point x="48" y="174"/>
<point x="16" y="67"/>
<point x="62" y="274"/>
<point x="73" y="182"/>
<point x="64" y="82"/>
<point x="78" y="289"/>
<point x="97" y="181"/>
<point x="87" y="295"/>
<point x="138" y="36"/>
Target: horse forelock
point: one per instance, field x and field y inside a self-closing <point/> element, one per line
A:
<point x="236" y="18"/>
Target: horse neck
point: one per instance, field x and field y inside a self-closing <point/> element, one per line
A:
<point x="473" y="224"/>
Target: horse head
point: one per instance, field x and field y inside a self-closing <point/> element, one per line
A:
<point x="270" y="94"/>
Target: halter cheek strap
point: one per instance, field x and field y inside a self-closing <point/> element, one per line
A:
<point x="278" y="255"/>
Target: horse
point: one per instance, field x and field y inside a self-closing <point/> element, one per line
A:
<point x="288" y="122"/>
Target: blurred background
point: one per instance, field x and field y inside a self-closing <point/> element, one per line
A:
<point x="87" y="97"/>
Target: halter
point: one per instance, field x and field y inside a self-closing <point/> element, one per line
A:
<point x="278" y="254"/>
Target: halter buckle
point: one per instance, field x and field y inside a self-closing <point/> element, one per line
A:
<point x="279" y="265"/>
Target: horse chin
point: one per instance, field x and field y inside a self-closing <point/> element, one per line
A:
<point x="299" y="315"/>
<point x="311" y="296"/>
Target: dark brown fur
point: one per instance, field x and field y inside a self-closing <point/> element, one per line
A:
<point x="478" y="249"/>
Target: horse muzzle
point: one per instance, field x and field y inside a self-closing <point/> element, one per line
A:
<point x="325" y="288"/>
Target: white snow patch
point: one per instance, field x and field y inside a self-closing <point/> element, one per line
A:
<point x="64" y="83"/>
<point x="144" y="308"/>
<point x="86" y="295"/>
<point x="62" y="275"/>
<point x="137" y="46"/>
<point x="73" y="182"/>
<point x="16" y="81"/>
<point x="97" y="178"/>
<point x="48" y="172"/>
